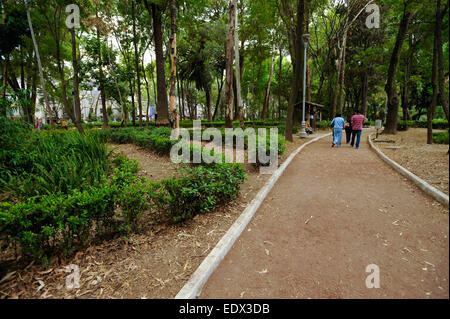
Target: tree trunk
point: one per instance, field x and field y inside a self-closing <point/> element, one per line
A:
<point x="219" y="94"/>
<point x="431" y="108"/>
<point x="173" y="62"/>
<point x="266" y="97"/>
<point x="76" y="90"/>
<point x="208" y="103"/>
<point x="33" y="96"/>
<point x="181" y="93"/>
<point x="279" y="81"/>
<point x="162" y="105"/>
<point x="5" y="75"/>
<point x="238" y="70"/>
<point x="101" y="79"/>
<point x="155" y="93"/>
<point x="122" y="105"/>
<point x="391" y="87"/>
<point x="297" y="81"/>
<point x="136" y="62"/>
<point x="229" y="65"/>
<point x="440" y="61"/>
<point x="133" y="106"/>
<point x="148" y="92"/>
<point x="180" y="104"/>
<point x="405" y="87"/>
<point x="41" y="73"/>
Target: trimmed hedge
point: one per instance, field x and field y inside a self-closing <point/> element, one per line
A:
<point x="156" y="139"/>
<point x="436" y="124"/>
<point x="61" y="223"/>
<point x="198" y="190"/>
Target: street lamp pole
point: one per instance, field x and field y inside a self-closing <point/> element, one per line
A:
<point x="305" y="38"/>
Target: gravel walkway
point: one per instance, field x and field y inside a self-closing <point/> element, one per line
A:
<point x="332" y="213"/>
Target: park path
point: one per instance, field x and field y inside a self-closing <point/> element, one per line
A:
<point x="332" y="213"/>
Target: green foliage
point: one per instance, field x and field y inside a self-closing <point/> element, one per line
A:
<point x="440" y="137"/>
<point x="323" y="124"/>
<point x="57" y="162"/>
<point x="61" y="223"/>
<point x="13" y="26"/>
<point x="13" y="140"/>
<point x="199" y="190"/>
<point x="156" y="139"/>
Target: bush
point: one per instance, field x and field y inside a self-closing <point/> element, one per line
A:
<point x="440" y="137"/>
<point x="61" y="223"/>
<point x="13" y="145"/>
<point x="437" y="124"/>
<point x="323" y="124"/>
<point x="198" y="190"/>
<point x="57" y="162"/>
<point x="403" y="125"/>
<point x="155" y="139"/>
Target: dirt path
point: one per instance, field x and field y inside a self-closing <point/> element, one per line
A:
<point x="332" y="213"/>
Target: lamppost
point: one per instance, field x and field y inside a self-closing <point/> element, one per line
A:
<point x="305" y="38"/>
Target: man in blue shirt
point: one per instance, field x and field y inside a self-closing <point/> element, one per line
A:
<point x="338" y="124"/>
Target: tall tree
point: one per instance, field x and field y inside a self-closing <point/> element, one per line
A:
<point x="100" y="68"/>
<point x="441" y="77"/>
<point x="41" y="73"/>
<point x="269" y="81"/>
<point x="391" y="86"/>
<point x="76" y="90"/>
<point x="136" y="61"/>
<point x="162" y="105"/>
<point x="238" y="69"/>
<point x="229" y="65"/>
<point x="173" y="62"/>
<point x="295" y="89"/>
<point x="437" y="72"/>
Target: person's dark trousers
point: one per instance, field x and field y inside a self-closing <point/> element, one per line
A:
<point x="348" y="136"/>
<point x="356" y="134"/>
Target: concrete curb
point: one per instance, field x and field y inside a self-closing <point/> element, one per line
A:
<point x="193" y="287"/>
<point x="427" y="188"/>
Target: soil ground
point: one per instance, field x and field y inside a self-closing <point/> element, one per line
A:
<point x="429" y="162"/>
<point x="153" y="264"/>
<point x="331" y="214"/>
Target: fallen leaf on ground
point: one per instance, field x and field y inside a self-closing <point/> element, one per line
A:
<point x="264" y="271"/>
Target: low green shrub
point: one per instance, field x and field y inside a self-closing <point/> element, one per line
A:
<point x="440" y="137"/>
<point x="323" y="124"/>
<point x="155" y="139"/>
<point x="60" y="223"/>
<point x="13" y="145"/>
<point x="198" y="190"/>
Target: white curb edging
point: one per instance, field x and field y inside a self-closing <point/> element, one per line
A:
<point x="193" y="287"/>
<point x="427" y="188"/>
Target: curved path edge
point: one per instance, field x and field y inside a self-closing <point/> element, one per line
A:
<point x="427" y="188"/>
<point x="194" y="285"/>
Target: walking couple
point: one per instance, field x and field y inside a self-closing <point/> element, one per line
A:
<point x="353" y="129"/>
